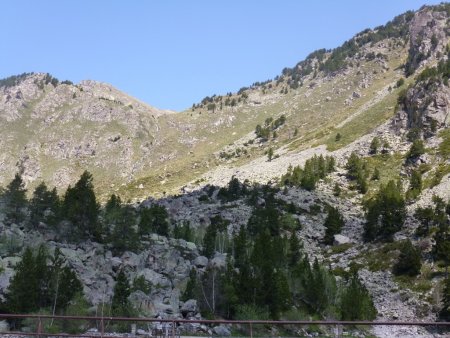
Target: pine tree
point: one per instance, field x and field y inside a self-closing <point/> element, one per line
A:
<point x="15" y="198"/>
<point x="209" y="241"/>
<point x="124" y="236"/>
<point x="444" y="314"/>
<point x="354" y="166"/>
<point x="241" y="248"/>
<point x="441" y="249"/>
<point x="385" y="213"/>
<point x="417" y="149"/>
<point x="356" y="303"/>
<point x="415" y="184"/>
<point x="425" y="216"/>
<point x="113" y="210"/>
<point x="23" y="293"/>
<point x="191" y="287"/>
<point x="294" y="254"/>
<point x="82" y="209"/>
<point x="121" y="306"/>
<point x="44" y="206"/>
<point x="409" y="261"/>
<point x="154" y="219"/>
<point x="374" y="146"/>
<point x="333" y="224"/>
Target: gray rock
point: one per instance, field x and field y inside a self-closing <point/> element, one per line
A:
<point x="340" y="239"/>
<point x="156" y="279"/>
<point x="201" y="261"/>
<point x="219" y="260"/>
<point x="221" y="331"/>
<point x="189" y="307"/>
<point x="4" y="326"/>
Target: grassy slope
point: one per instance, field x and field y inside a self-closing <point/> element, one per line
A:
<point x="306" y="109"/>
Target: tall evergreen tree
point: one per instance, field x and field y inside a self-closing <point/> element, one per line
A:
<point x="444" y="313"/>
<point x="333" y="224"/>
<point x="81" y="208"/>
<point x="409" y="261"/>
<point x="209" y="241"/>
<point x="44" y="206"/>
<point x="154" y="219"/>
<point x="356" y="303"/>
<point x="15" y="198"/>
<point x="120" y="305"/>
<point x="23" y="292"/>
<point x="124" y="236"/>
<point x="385" y="213"/>
<point x="294" y="253"/>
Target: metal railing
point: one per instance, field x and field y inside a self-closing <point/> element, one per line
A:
<point x="174" y="323"/>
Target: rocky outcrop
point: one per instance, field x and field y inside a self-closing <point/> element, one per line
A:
<point x="428" y="35"/>
<point x="425" y="107"/>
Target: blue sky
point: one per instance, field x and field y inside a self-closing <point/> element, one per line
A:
<point x="170" y="53"/>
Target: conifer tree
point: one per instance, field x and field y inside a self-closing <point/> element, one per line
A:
<point x="415" y="184"/>
<point x="44" y="206"/>
<point x="409" y="261"/>
<point x="113" y="209"/>
<point x="209" y="241"/>
<point x="191" y="287"/>
<point x="154" y="219"/>
<point x="333" y="224"/>
<point x="15" y="198"/>
<point x="385" y="213"/>
<point x="82" y="209"/>
<point x="356" y="303"/>
<point x="294" y="254"/>
<point x="124" y="236"/>
<point x="444" y="313"/>
<point x="374" y="146"/>
<point x="417" y="149"/>
<point x="121" y="306"/>
<point x="23" y="292"/>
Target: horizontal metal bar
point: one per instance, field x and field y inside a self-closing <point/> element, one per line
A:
<point x="209" y="321"/>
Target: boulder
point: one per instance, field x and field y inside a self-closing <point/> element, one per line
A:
<point x="4" y="326"/>
<point x="156" y="279"/>
<point x="221" y="331"/>
<point x="219" y="260"/>
<point x="341" y="239"/>
<point x="201" y="261"/>
<point x="189" y="307"/>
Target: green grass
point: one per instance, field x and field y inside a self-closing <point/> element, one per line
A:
<point x="444" y="147"/>
<point x="382" y="258"/>
<point x="364" y="123"/>
<point x="389" y="167"/>
<point x="338" y="249"/>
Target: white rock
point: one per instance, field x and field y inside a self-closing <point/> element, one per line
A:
<point x="201" y="261"/>
<point x="340" y="239"/>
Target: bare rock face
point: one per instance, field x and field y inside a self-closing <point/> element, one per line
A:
<point x="427" y="108"/>
<point x="53" y="131"/>
<point x="428" y="37"/>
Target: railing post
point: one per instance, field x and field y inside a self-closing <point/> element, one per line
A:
<point x="173" y="329"/>
<point x="102" y="327"/>
<point x="39" y="328"/>
<point x="251" y="330"/>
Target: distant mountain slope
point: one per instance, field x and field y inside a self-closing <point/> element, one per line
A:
<point x="53" y="131"/>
